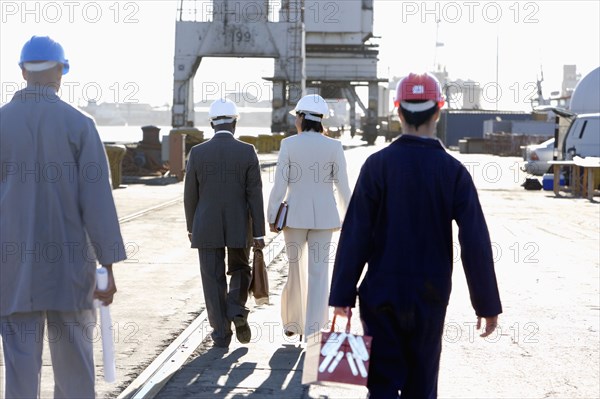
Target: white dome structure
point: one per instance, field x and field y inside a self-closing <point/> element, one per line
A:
<point x="586" y="95"/>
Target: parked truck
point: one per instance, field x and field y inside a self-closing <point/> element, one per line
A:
<point x="583" y="136"/>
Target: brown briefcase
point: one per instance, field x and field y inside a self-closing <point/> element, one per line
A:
<point x="259" y="285"/>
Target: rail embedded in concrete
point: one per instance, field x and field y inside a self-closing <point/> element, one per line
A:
<point x="149" y="383"/>
<point x="143" y="212"/>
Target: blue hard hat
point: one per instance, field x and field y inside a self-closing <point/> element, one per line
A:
<point x="43" y="48"/>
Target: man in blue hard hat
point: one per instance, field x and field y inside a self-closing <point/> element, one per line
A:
<point x="58" y="221"/>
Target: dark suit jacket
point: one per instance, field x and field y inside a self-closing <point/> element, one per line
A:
<point x="223" y="194"/>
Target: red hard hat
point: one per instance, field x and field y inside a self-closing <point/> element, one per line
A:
<point x="423" y="87"/>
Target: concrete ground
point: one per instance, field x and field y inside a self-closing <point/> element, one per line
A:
<point x="547" y="253"/>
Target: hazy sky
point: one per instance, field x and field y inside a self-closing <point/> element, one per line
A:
<point x="123" y="50"/>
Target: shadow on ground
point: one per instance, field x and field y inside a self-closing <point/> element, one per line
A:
<point x="219" y="373"/>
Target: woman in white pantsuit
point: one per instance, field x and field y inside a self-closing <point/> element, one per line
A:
<point x="310" y="165"/>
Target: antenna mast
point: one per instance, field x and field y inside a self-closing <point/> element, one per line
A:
<point x="437" y="44"/>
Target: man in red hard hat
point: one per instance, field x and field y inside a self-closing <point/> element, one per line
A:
<point x="399" y="221"/>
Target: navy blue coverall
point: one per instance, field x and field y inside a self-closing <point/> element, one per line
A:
<point x="399" y="221"/>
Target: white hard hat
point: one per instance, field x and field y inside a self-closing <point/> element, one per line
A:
<point x="224" y="109"/>
<point x="313" y="106"/>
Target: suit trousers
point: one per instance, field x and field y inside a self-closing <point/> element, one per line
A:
<point x="304" y="308"/>
<point x="70" y="338"/>
<point x="223" y="304"/>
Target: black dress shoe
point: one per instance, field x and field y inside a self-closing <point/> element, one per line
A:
<point x="221" y="340"/>
<point x="242" y="329"/>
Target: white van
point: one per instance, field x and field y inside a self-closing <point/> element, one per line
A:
<point x="583" y="137"/>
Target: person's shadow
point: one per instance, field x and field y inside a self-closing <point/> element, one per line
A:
<point x="219" y="374"/>
<point x="214" y="374"/>
<point x="285" y="375"/>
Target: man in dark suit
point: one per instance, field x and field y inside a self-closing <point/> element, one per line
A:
<point x="399" y="221"/>
<point x="224" y="209"/>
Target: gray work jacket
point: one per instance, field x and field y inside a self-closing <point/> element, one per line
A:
<point x="58" y="216"/>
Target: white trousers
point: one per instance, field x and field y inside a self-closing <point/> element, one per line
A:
<point x="304" y="299"/>
<point x="70" y="338"/>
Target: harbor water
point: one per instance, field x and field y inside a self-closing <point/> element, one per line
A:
<point x="133" y="134"/>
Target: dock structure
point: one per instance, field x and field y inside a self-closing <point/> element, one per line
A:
<point x="318" y="46"/>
